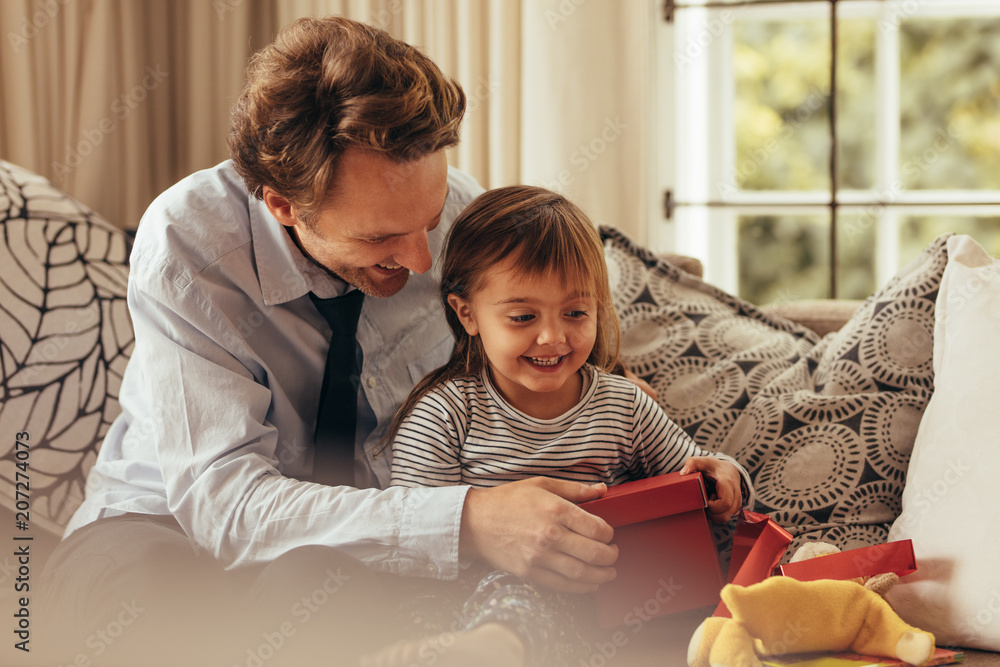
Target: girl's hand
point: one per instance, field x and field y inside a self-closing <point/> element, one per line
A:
<point x="727" y="499"/>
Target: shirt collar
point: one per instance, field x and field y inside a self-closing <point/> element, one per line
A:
<point x="285" y="273"/>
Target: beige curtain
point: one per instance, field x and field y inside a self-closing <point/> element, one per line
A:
<point x="114" y="100"/>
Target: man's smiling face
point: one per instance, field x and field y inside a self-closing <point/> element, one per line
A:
<point x="373" y="231"/>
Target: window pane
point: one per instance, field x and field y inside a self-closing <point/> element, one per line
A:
<point x="856" y="104"/>
<point x="782" y="71"/>
<point x="856" y="243"/>
<point x="950" y="102"/>
<point x="784" y="258"/>
<point x="917" y="232"/>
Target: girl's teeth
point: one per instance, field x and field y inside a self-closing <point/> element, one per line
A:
<point x="549" y="361"/>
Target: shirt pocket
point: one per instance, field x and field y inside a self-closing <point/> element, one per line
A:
<point x="431" y="360"/>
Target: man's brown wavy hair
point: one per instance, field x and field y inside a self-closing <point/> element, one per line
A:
<point x="328" y="84"/>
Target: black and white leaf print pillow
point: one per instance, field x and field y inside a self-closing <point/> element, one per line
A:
<point x="65" y="335"/>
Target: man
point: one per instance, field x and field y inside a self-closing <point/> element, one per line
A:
<point x="205" y="487"/>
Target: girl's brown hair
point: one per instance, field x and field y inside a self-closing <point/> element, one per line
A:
<point x="328" y="84"/>
<point x="542" y="232"/>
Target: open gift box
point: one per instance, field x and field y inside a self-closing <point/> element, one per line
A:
<point x="759" y="544"/>
<point x="667" y="561"/>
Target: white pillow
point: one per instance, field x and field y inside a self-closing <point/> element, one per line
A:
<point x="952" y="493"/>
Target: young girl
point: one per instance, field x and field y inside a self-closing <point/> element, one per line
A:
<point x="529" y="390"/>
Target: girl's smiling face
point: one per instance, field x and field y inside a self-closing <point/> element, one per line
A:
<point x="536" y="331"/>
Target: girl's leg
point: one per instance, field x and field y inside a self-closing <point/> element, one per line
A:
<point x="432" y="631"/>
<point x="543" y="623"/>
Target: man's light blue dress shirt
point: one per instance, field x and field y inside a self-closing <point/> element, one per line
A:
<point x="220" y="395"/>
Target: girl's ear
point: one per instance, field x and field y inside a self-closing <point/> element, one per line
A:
<point x="463" y="309"/>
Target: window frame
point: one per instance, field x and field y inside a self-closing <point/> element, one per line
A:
<point x="701" y="205"/>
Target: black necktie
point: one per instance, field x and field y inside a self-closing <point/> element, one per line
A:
<point x="336" y="420"/>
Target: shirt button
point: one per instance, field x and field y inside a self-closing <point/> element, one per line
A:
<point x="432" y="568"/>
<point x="371" y="381"/>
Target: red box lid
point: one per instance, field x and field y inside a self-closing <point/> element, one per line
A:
<point x="861" y="562"/>
<point x="650" y="498"/>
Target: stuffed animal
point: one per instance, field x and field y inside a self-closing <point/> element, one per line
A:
<point x="783" y="615"/>
<point x="879" y="583"/>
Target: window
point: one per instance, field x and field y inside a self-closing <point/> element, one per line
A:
<point x="816" y="146"/>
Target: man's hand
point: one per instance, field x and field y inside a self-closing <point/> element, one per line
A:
<point x="532" y="528"/>
<point x="727" y="499"/>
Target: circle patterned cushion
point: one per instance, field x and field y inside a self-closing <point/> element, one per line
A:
<point x="824" y="427"/>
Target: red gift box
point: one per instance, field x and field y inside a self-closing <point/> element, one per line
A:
<point x="861" y="562"/>
<point x="667" y="561"/>
<point x="758" y="545"/>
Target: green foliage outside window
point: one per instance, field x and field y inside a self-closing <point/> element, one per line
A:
<point x="949" y="140"/>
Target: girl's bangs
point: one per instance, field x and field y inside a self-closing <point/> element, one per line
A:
<point x="569" y="252"/>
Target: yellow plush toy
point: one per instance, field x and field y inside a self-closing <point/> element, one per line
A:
<point x="783" y="615"/>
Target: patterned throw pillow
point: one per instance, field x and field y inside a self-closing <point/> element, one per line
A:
<point x="65" y="335"/>
<point x="828" y="441"/>
<point x="825" y="427"/>
<point x="705" y="352"/>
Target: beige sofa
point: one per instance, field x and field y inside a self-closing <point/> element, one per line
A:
<point x="821" y="315"/>
<point x="70" y="336"/>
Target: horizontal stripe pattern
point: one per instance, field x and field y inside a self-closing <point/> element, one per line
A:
<point x="463" y="432"/>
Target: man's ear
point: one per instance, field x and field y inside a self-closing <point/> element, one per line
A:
<point x="282" y="209"/>
<point x="463" y="309"/>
